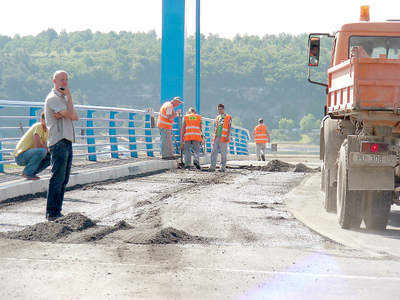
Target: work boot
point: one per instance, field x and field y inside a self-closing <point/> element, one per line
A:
<point x="53" y="217"/>
<point x="197" y="164"/>
<point x="263" y="157"/>
<point x="28" y="177"/>
<point x="169" y="158"/>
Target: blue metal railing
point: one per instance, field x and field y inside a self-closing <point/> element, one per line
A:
<point x="104" y="131"/>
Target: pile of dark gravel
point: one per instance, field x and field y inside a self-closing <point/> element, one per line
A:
<point x="167" y="235"/>
<point x="62" y="228"/>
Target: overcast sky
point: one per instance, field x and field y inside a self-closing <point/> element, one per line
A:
<point x="223" y="17"/>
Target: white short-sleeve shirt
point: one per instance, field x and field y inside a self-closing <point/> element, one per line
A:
<point x="62" y="128"/>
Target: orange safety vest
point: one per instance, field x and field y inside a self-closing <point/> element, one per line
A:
<point x="163" y="120"/>
<point x="225" y="128"/>
<point x="260" y="134"/>
<point x="192" y="130"/>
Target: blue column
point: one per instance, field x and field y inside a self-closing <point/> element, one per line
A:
<point x="90" y="132"/>
<point x="172" y="50"/>
<point x="112" y="133"/>
<point x="198" y="56"/>
<point x="32" y="113"/>
<point x="132" y="135"/>
<point x="147" y="132"/>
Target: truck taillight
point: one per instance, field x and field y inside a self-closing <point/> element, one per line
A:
<point x="364" y="13"/>
<point x="370" y="147"/>
<point x="374" y="148"/>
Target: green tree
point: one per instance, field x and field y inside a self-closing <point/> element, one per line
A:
<point x="236" y="121"/>
<point x="309" y="122"/>
<point x="286" y="124"/>
<point x="253" y="76"/>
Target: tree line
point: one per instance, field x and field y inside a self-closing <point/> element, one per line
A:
<point x="253" y="76"/>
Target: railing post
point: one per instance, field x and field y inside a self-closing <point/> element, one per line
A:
<point x="237" y="142"/>
<point x="1" y="158"/>
<point x="177" y="135"/>
<point x="32" y="113"/>
<point x="243" y="143"/>
<point x="147" y="132"/>
<point x="231" y="144"/>
<point x="90" y="132"/>
<point x="112" y="133"/>
<point x="1" y="154"/>
<point x="207" y="135"/>
<point x="246" y="143"/>
<point x="132" y="135"/>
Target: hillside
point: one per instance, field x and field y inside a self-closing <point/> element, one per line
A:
<point x="253" y="76"/>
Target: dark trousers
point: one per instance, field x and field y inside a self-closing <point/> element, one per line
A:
<point x="61" y="161"/>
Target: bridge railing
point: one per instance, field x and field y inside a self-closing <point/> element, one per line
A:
<point x="104" y="132"/>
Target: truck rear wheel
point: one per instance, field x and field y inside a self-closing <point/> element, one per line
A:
<point x="330" y="193"/>
<point x="377" y="209"/>
<point x="349" y="203"/>
<point x="332" y="140"/>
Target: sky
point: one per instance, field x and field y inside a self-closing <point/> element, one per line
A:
<point x="223" y="17"/>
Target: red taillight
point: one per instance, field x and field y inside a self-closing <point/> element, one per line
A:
<point x="369" y="147"/>
<point x="374" y="148"/>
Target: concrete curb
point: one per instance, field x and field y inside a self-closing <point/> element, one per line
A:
<point x="22" y="187"/>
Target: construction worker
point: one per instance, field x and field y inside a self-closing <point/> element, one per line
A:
<point x="32" y="151"/>
<point x="165" y="122"/>
<point x="223" y="124"/>
<point x="261" y="137"/>
<point x="191" y="135"/>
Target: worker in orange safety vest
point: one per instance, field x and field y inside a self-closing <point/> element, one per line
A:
<point x="165" y="122"/>
<point x="261" y="137"/>
<point x="191" y="135"/>
<point x="222" y="138"/>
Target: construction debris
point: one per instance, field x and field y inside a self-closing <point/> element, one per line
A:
<point x="276" y="165"/>
<point x="62" y="228"/>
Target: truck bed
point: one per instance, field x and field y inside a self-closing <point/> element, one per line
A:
<point x="364" y="84"/>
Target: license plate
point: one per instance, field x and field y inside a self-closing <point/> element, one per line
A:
<point x="361" y="159"/>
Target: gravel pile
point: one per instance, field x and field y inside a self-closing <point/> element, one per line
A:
<point x="76" y="225"/>
<point x="167" y="235"/>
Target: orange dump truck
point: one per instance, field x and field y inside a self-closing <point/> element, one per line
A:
<point x="360" y="133"/>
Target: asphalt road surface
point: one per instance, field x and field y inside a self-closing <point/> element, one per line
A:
<point x="188" y="235"/>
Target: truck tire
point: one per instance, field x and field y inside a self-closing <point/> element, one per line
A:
<point x="323" y="177"/>
<point x="330" y="193"/>
<point x="377" y="209"/>
<point x="332" y="140"/>
<point x="349" y="203"/>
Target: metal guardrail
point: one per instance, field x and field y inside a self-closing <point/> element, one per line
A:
<point x="104" y="131"/>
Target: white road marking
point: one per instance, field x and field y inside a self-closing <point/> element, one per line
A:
<point x="227" y="270"/>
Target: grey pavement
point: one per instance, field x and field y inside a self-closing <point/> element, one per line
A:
<point x="257" y="250"/>
<point x="305" y="203"/>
